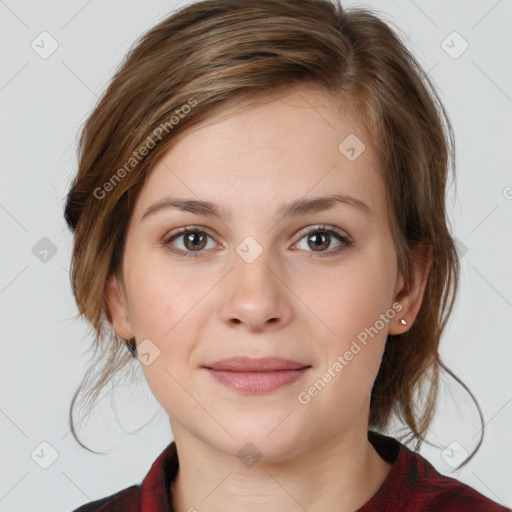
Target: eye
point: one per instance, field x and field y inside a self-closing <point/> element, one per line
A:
<point x="320" y="238"/>
<point x="193" y="240"/>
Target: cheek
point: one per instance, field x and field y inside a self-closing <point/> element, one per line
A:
<point x="170" y="387"/>
<point x="162" y="296"/>
<point x="354" y="303"/>
<point x="349" y="300"/>
<point x="166" y="311"/>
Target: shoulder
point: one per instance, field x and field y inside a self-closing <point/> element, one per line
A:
<point x="459" y="497"/>
<point x="152" y="494"/>
<point x="126" y="500"/>
<point x="414" y="485"/>
<point x="440" y="493"/>
<point x="443" y="493"/>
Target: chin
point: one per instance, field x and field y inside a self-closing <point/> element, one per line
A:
<point x="256" y="440"/>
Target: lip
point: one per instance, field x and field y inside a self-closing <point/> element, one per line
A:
<point x="256" y="376"/>
<point x="248" y="364"/>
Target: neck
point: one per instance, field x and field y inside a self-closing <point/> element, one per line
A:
<point x="340" y="473"/>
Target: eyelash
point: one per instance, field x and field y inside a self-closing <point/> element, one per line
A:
<point x="346" y="242"/>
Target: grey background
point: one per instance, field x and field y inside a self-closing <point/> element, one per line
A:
<point x="43" y="103"/>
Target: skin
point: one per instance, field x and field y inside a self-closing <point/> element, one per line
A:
<point x="294" y="300"/>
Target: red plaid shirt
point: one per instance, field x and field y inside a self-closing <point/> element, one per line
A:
<point x="412" y="485"/>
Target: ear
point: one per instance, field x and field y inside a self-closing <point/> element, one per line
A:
<point x="410" y="295"/>
<point x="117" y="310"/>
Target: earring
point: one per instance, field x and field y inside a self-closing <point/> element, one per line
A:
<point x="132" y="346"/>
<point x="403" y="322"/>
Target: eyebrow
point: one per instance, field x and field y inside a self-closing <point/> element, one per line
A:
<point x="293" y="209"/>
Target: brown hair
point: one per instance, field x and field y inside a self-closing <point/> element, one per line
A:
<point x="221" y="55"/>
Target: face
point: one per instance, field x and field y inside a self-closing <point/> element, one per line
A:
<point x="263" y="272"/>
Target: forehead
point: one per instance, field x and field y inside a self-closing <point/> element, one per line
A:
<point x="303" y="143"/>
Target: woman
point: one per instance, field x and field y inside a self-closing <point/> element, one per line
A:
<point x="259" y="215"/>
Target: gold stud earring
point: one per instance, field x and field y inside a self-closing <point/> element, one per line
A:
<point x="403" y="322"/>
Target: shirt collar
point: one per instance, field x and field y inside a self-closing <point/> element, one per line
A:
<point x="155" y="492"/>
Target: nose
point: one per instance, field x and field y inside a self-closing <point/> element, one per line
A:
<point x="255" y="296"/>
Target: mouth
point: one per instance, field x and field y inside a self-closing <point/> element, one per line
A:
<point x="256" y="376"/>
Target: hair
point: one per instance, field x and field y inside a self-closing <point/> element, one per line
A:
<point x="218" y="56"/>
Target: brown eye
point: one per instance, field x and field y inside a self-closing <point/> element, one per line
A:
<point x="319" y="240"/>
<point x="194" y="241"/>
<point x="187" y="242"/>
